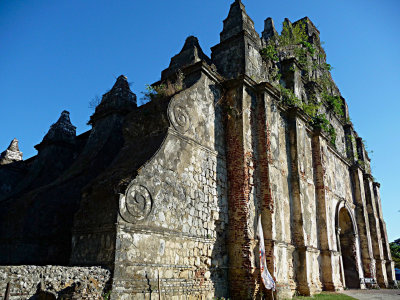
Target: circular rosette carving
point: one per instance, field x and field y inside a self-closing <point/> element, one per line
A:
<point x="179" y="117"/>
<point x="137" y="204"/>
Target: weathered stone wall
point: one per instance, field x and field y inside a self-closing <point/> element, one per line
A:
<point x="336" y="185"/>
<point x="339" y="190"/>
<point x="174" y="214"/>
<point x="56" y="282"/>
<point x="307" y="192"/>
<point x="280" y="174"/>
<point x="340" y="141"/>
<point x="168" y="195"/>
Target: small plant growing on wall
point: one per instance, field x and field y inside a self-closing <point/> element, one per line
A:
<point x="165" y="89"/>
<point x="310" y="58"/>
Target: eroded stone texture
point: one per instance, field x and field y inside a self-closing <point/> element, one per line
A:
<point x="167" y="195"/>
<point x="34" y="282"/>
<point x="173" y="225"/>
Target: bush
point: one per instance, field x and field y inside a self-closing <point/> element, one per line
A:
<point x="395" y="249"/>
<point x="166" y="89"/>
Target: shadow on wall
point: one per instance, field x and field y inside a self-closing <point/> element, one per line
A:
<point x="220" y="263"/>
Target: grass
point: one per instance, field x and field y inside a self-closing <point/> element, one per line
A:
<point x="327" y="296"/>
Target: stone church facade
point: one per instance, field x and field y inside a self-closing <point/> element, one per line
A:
<point x="163" y="199"/>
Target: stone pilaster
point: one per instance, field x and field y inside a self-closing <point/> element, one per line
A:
<point x="376" y="238"/>
<point x="322" y="219"/>
<point x="368" y="261"/>
<point x="278" y="252"/>
<point x="237" y="56"/>
<point x="389" y="264"/>
<point x="263" y="173"/>
<point x="243" y="276"/>
<point x="297" y="222"/>
<point x="391" y="275"/>
<point x="274" y="208"/>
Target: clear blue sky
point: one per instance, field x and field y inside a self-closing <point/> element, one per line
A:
<point x="57" y="55"/>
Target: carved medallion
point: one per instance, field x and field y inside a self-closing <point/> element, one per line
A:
<point x="179" y="117"/>
<point x="136" y="205"/>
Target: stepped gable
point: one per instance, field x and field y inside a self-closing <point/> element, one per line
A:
<point x="60" y="132"/>
<point x="11" y="154"/>
<point x="237" y="21"/>
<point x="120" y="99"/>
<point x="191" y="53"/>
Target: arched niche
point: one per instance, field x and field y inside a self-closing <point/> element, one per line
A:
<point x="347" y="236"/>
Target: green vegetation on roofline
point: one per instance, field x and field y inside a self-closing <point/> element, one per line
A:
<point x="318" y="120"/>
<point x="353" y="144"/>
<point x="165" y="89"/>
<point x="270" y="52"/>
<point x="294" y="35"/>
<point x="334" y="103"/>
<point x="290" y="36"/>
<point x="310" y="58"/>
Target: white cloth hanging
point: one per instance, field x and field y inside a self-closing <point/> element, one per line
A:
<point x="266" y="277"/>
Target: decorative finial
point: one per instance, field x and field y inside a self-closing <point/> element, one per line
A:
<point x="119" y="98"/>
<point x="12" y="153"/>
<point x="121" y="83"/>
<point x="237" y="21"/>
<point x="62" y="130"/>
<point x="191" y="53"/>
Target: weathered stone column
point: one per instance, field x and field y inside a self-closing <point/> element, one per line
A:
<point x="274" y="192"/>
<point x="240" y="169"/>
<point x="376" y="238"/>
<point x="300" y="253"/>
<point x="322" y="219"/>
<point x="367" y="259"/>
<point x="391" y="276"/>
<point x="237" y="57"/>
<point x="266" y="204"/>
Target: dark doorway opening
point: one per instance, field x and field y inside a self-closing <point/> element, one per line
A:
<point x="348" y="249"/>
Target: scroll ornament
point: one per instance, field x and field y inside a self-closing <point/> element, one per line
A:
<point x="179" y="117"/>
<point x="136" y="205"/>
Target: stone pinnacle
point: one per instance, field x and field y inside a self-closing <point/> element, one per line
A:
<point x="11" y="154"/>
